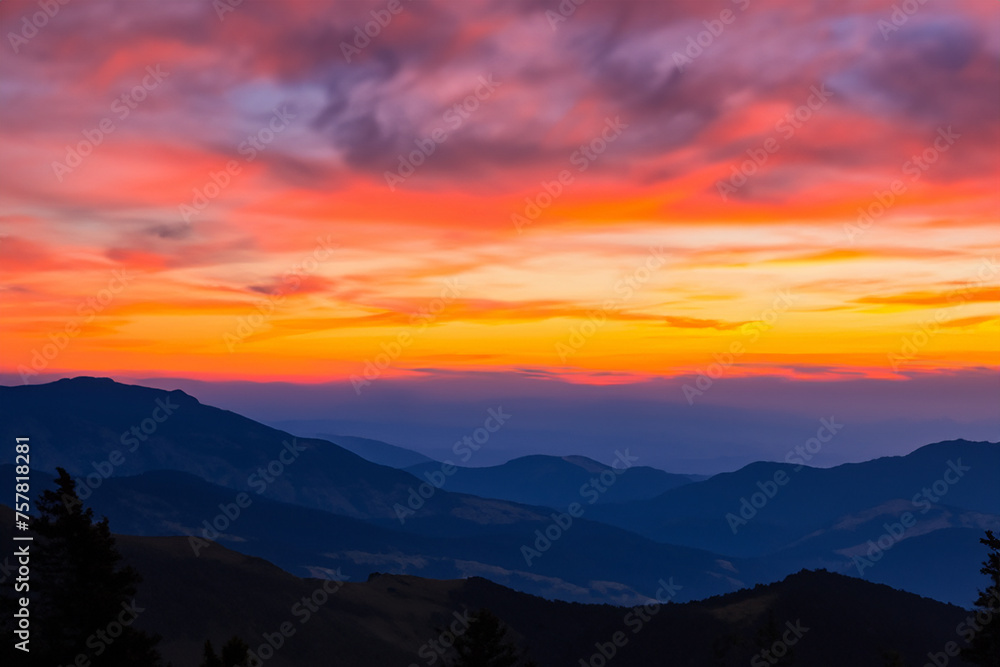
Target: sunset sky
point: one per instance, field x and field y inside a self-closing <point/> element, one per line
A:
<point x="224" y="193"/>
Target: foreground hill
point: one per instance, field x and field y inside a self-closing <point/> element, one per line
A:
<point x="392" y="620"/>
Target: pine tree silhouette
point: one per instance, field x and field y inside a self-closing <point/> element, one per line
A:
<point x="892" y="659"/>
<point x="984" y="648"/>
<point x="82" y="597"/>
<point x="235" y="653"/>
<point x="485" y="644"/>
<point x="209" y="657"/>
<point x="768" y="636"/>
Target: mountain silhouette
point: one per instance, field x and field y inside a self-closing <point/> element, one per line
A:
<point x="392" y="619"/>
<point x="555" y="481"/>
<point x="167" y="474"/>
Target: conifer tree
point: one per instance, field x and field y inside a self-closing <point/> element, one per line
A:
<point x="984" y="646"/>
<point x="83" y="598"/>
<point x="485" y="644"/>
<point x="235" y="653"/>
<point x="209" y="657"/>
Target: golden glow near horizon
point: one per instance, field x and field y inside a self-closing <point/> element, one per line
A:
<point x="589" y="218"/>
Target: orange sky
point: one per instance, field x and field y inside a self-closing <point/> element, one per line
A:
<point x="643" y="258"/>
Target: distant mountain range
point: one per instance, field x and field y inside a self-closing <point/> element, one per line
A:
<point x="584" y="565"/>
<point x="379" y="452"/>
<point x="172" y="461"/>
<point x="390" y="620"/>
<point x="555" y="481"/>
<point x="552" y="481"/>
<point x="828" y="517"/>
<point x="712" y="514"/>
<point x="402" y="530"/>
